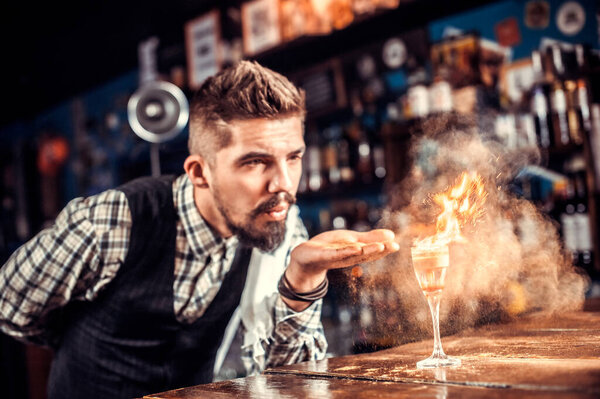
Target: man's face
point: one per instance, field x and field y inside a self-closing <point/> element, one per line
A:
<point x="254" y="180"/>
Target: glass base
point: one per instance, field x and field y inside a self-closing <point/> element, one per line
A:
<point x="433" y="362"/>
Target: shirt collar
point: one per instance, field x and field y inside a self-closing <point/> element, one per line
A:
<point x="202" y="238"/>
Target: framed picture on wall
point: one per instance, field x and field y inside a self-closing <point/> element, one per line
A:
<point x="260" y="25"/>
<point x="203" y="47"/>
<point x="324" y="87"/>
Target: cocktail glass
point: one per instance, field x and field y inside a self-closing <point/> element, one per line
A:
<point x="431" y="264"/>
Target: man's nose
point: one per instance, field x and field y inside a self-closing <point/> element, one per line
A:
<point x="280" y="181"/>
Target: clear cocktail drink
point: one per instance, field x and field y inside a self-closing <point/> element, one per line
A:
<point x="431" y="264"/>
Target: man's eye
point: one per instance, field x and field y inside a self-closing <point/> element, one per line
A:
<point x="254" y="162"/>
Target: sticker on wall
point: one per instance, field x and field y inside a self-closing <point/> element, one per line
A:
<point x="394" y="53"/>
<point x="260" y="25"/>
<point x="507" y="32"/>
<point x="570" y="18"/>
<point x="537" y="14"/>
<point x="202" y="38"/>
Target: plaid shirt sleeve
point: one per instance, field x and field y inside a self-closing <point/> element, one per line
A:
<point x="297" y="336"/>
<point x="71" y="260"/>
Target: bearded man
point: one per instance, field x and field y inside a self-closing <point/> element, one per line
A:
<point x="141" y="288"/>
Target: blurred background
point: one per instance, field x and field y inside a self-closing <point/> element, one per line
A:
<point x="373" y="70"/>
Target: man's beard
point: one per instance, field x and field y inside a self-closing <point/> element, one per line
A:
<point x="248" y="233"/>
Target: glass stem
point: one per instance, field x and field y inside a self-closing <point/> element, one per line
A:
<point x="434" y="307"/>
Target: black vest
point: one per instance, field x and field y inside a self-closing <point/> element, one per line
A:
<point x="127" y="342"/>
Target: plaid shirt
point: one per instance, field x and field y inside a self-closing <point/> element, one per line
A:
<point x="82" y="252"/>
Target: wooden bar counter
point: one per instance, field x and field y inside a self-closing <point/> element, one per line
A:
<point x="535" y="357"/>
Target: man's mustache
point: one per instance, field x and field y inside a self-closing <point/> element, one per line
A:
<point x="273" y="202"/>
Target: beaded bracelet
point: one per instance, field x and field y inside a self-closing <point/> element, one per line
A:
<point x="286" y="291"/>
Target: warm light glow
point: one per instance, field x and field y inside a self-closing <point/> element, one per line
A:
<point x="461" y="204"/>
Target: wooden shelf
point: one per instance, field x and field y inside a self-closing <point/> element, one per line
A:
<point x="411" y="14"/>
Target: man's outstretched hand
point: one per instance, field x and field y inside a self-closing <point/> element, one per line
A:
<point x="334" y="249"/>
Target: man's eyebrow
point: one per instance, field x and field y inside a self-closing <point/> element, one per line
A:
<point x="253" y="155"/>
<point x="263" y="155"/>
<point x="298" y="151"/>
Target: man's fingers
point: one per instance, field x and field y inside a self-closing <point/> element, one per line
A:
<point x="373" y="248"/>
<point x="377" y="235"/>
<point x="391" y="246"/>
<point x="380" y="247"/>
<point x="341" y="252"/>
<point x="335" y="252"/>
<point x="353" y="253"/>
<point x="350" y="236"/>
<point x="369" y="253"/>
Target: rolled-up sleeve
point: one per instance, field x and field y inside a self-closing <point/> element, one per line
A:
<point x="71" y="260"/>
<point x="298" y="336"/>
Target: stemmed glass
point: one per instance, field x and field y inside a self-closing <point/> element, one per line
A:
<point x="431" y="264"/>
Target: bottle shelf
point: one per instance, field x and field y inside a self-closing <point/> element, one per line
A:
<point x="410" y="14"/>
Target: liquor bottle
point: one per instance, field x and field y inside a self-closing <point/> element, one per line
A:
<point x="379" y="168"/>
<point x="558" y="111"/>
<point x="313" y="162"/>
<point x="582" y="222"/>
<point x="343" y="155"/>
<point x="594" y="145"/>
<point x="575" y="95"/>
<point x="360" y="152"/>
<point x="539" y="103"/>
<point x="526" y="130"/>
<point x="378" y="147"/>
<point x="583" y="102"/>
<point x="360" y="147"/>
<point x="568" y="225"/>
<point x="440" y="96"/>
<point x="372" y="119"/>
<point x="417" y="102"/>
<point x="558" y="99"/>
<point x="364" y="165"/>
<point x="506" y="129"/>
<point x="573" y="113"/>
<point x="330" y="156"/>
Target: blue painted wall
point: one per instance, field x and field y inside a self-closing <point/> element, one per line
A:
<point x="484" y="20"/>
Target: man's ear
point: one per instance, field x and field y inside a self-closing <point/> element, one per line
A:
<point x="196" y="168"/>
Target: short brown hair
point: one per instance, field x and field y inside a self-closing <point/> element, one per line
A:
<point x="246" y="90"/>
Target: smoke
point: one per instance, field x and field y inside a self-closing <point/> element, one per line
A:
<point x="511" y="264"/>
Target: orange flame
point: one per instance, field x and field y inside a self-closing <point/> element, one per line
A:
<point x="461" y="204"/>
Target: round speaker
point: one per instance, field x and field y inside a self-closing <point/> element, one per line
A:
<point x="158" y="111"/>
